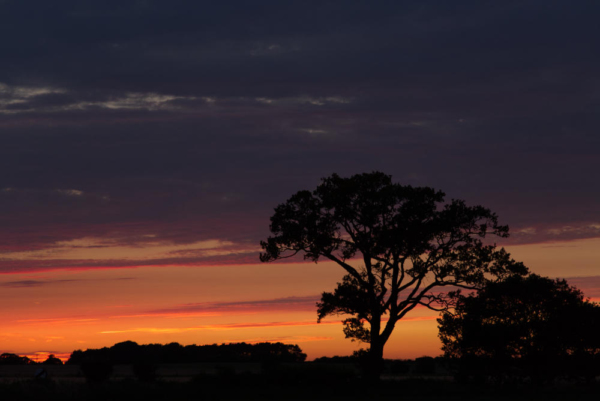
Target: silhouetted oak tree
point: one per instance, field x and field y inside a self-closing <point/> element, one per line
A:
<point x="398" y="244"/>
<point x="523" y="327"/>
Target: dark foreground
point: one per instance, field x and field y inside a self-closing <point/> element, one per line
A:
<point x="279" y="383"/>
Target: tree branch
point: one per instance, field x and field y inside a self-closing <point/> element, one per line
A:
<point x="346" y="267"/>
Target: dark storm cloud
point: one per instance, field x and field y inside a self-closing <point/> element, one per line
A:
<point x="190" y="121"/>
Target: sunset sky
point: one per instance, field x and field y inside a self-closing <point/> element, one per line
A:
<point x="144" y="145"/>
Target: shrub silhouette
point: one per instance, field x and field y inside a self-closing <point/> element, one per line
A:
<point x="532" y="327"/>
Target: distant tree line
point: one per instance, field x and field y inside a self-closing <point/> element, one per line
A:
<point x="14" y="359"/>
<point x="130" y="352"/>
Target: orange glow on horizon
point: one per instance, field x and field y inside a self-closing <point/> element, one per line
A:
<point x="63" y="310"/>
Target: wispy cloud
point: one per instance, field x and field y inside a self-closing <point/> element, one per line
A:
<point x="289" y="304"/>
<point x="232" y="326"/>
<point x="31" y="283"/>
<point x="207" y="309"/>
<point x="169" y="315"/>
<point x="283" y="339"/>
<point x="18" y="99"/>
<point x="116" y="252"/>
<point x="553" y="232"/>
<point x="239" y="326"/>
<point x="58" y="321"/>
<point x="39" y="283"/>
<point x="70" y="192"/>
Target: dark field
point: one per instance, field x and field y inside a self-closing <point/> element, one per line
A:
<point x="252" y="381"/>
<point x="166" y="372"/>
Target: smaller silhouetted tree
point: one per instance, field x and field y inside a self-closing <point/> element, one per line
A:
<point x="52" y="360"/>
<point x="532" y="327"/>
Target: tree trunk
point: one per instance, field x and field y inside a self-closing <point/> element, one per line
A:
<point x="373" y="364"/>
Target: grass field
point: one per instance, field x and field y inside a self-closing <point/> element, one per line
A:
<point x="182" y="371"/>
<point x="245" y="381"/>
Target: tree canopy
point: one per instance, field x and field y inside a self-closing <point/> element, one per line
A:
<point x="531" y="326"/>
<point x="400" y="246"/>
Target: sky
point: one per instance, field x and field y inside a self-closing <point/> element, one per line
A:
<point x="145" y="144"/>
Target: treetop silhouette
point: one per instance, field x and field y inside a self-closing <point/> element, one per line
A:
<point x="399" y="245"/>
